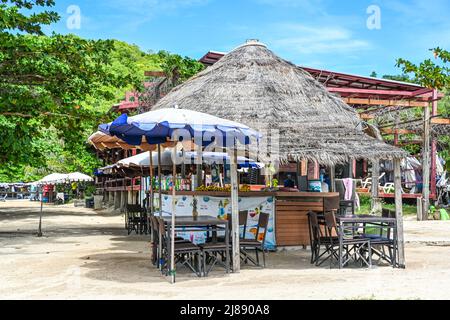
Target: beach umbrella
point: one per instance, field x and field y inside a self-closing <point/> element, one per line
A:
<point x="143" y="159"/>
<point x="173" y="125"/>
<point x="223" y="158"/>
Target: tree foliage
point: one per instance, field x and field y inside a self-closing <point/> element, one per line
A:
<point x="177" y="68"/>
<point x="55" y="90"/>
<point x="435" y="75"/>
<point x="430" y="74"/>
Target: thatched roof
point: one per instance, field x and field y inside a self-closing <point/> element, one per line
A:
<point x="252" y="85"/>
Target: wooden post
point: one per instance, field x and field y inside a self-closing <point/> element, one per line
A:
<point x="434" y="112"/>
<point x="172" y="229"/>
<point x="159" y="180"/>
<point x="419" y="208"/>
<point x="376" y="203"/>
<point x="426" y="163"/>
<point x="235" y="213"/>
<point x="399" y="212"/>
<point x="332" y="178"/>
<point x="151" y="183"/>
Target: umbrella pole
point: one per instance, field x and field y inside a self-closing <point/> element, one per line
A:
<point x="172" y="230"/>
<point x="235" y="213"/>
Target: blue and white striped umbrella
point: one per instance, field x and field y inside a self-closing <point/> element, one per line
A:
<point x="160" y="126"/>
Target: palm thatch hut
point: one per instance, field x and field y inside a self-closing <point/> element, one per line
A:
<point x="252" y="85"/>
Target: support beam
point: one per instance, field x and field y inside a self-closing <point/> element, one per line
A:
<point x="159" y="180"/>
<point x="332" y="178"/>
<point x="402" y="93"/>
<point x="117" y="198"/>
<point x="440" y="120"/>
<point x="235" y="213"/>
<point x="376" y="201"/>
<point x="426" y="162"/>
<point x="123" y="201"/>
<point x="174" y="209"/>
<point x="150" y="186"/>
<point x="385" y="102"/>
<point x="396" y="131"/>
<point x="434" y="112"/>
<point x="399" y="213"/>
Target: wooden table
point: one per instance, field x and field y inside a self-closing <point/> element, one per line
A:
<point x="355" y="222"/>
<point x="208" y="222"/>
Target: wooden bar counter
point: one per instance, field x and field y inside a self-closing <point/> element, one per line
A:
<point x="291" y="208"/>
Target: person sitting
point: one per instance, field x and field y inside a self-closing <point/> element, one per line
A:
<point x="289" y="183"/>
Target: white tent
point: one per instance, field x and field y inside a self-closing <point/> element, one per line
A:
<point x="53" y="178"/>
<point x="78" y="176"/>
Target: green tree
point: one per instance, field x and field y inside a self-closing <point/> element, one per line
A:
<point x="435" y="75"/>
<point x="430" y="74"/>
<point x="177" y="68"/>
<point x="44" y="81"/>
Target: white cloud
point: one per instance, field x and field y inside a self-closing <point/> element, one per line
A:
<point x="138" y="12"/>
<point x="316" y="40"/>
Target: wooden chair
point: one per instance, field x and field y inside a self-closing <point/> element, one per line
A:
<point x="383" y="242"/>
<point x="256" y="244"/>
<point x="348" y="247"/>
<point x="216" y="252"/>
<point x="136" y="219"/>
<point x="186" y="253"/>
<point x="318" y="239"/>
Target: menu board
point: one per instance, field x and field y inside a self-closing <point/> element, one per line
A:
<point x="220" y="207"/>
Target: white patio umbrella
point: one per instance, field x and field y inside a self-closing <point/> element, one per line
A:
<point x="174" y="125"/>
<point x="143" y="159"/>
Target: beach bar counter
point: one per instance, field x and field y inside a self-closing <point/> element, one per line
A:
<point x="288" y="223"/>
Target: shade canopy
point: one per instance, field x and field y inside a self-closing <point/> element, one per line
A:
<point x="53" y="178"/>
<point x="223" y="158"/>
<point x="56" y="178"/>
<point x="174" y="124"/>
<point x="78" y="177"/>
<point x="143" y="159"/>
<point x="254" y="86"/>
<point x="104" y="141"/>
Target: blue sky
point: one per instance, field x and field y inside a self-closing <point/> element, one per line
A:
<point x="316" y="33"/>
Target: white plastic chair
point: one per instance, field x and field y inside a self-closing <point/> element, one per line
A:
<point x="390" y="188"/>
<point x="367" y="184"/>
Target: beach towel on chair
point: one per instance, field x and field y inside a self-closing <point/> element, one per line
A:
<point x="348" y="185"/>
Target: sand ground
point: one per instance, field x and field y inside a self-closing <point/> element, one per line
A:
<point x="87" y="255"/>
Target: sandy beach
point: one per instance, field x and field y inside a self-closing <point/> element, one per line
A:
<point x="86" y="254"/>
